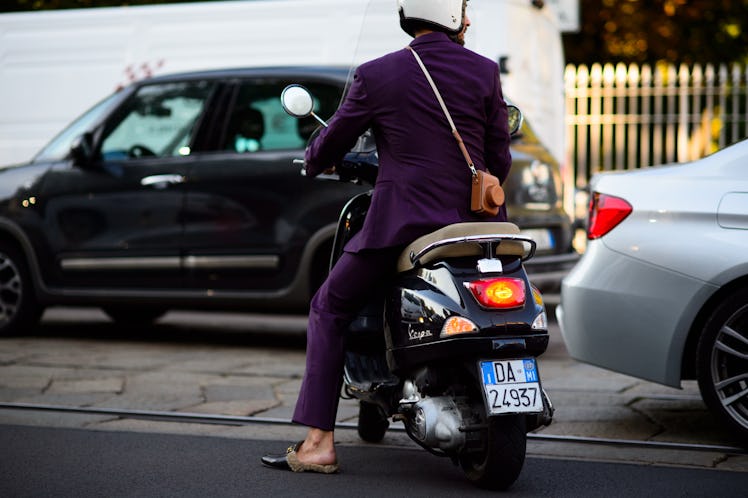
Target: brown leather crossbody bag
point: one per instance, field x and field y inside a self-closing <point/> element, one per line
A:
<point x="486" y="195"/>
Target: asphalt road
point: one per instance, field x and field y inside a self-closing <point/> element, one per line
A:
<point x="38" y="461"/>
<point x="217" y="363"/>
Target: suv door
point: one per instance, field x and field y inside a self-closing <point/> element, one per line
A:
<point x="250" y="213"/>
<point x="117" y="223"/>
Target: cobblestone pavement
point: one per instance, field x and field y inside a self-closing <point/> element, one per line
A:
<point x="251" y="365"/>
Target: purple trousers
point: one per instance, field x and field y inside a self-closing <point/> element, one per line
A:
<point x="351" y="283"/>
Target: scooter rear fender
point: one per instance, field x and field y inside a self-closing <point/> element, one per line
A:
<point x="424" y="298"/>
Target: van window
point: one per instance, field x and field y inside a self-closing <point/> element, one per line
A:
<point x="258" y="122"/>
<point x="159" y="121"/>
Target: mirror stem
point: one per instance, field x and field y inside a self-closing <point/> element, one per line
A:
<point x="322" y="121"/>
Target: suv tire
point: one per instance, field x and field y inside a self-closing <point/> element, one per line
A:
<point x="19" y="309"/>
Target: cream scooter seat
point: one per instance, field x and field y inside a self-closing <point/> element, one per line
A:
<point x="465" y="239"/>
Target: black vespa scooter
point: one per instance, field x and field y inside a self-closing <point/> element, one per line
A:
<point x="450" y="349"/>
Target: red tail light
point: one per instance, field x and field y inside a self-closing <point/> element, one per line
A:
<point x="606" y="212"/>
<point x="499" y="292"/>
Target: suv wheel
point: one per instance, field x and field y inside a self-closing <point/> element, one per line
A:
<point x="19" y="309"/>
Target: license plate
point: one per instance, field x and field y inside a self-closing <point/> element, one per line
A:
<point x="511" y="386"/>
<point x="542" y="236"/>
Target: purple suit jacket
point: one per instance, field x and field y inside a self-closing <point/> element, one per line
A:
<point x="423" y="182"/>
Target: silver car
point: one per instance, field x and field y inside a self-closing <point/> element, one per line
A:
<point x="661" y="292"/>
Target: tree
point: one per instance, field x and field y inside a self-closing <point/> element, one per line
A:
<point x="679" y="31"/>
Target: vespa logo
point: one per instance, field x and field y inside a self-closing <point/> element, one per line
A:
<point x="418" y="335"/>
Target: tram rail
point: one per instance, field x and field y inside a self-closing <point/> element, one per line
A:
<point x="233" y="420"/>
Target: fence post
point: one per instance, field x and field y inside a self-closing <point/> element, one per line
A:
<point x="699" y="133"/>
<point x="596" y="79"/>
<point x="635" y="95"/>
<point x="657" y="93"/>
<point x="608" y="98"/>
<point x="710" y="77"/>
<point x="722" y="104"/>
<point x="683" y="79"/>
<point x="670" y="115"/>
<point x="619" y="118"/>
<point x="735" y="102"/>
<point x="646" y="127"/>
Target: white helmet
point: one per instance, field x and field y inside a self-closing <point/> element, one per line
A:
<point x="440" y="15"/>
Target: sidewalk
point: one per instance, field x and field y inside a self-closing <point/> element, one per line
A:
<point x="249" y="365"/>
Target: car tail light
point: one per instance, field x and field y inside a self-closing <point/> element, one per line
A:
<point x="606" y="212"/>
<point x="501" y="293"/>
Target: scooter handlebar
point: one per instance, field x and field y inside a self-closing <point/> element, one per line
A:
<point x="354" y="168"/>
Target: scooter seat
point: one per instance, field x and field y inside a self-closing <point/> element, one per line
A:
<point x="461" y="248"/>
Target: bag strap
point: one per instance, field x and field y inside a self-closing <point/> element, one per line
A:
<point x="455" y="133"/>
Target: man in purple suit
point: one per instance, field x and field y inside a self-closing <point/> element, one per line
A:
<point x="423" y="184"/>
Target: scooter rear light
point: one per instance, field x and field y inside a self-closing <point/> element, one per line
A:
<point x="457" y="325"/>
<point x="537" y="296"/>
<point x="606" y="212"/>
<point x="502" y="293"/>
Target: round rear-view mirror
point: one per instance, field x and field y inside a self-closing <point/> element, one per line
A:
<point x="515" y="119"/>
<point x="297" y="101"/>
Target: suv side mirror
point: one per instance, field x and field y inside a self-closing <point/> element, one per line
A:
<point x="81" y="150"/>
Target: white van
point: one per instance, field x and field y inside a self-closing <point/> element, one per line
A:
<point x="56" y="64"/>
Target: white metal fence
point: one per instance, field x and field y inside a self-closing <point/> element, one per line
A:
<point x="627" y="117"/>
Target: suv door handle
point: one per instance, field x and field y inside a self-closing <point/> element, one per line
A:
<point x="162" y="181"/>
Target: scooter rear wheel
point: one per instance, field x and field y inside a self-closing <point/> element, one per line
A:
<point x="501" y="461"/>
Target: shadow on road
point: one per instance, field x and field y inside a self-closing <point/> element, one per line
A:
<point x="272" y="331"/>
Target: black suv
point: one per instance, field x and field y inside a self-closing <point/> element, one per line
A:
<point x="180" y="192"/>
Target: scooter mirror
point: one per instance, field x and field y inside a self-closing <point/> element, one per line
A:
<point x="515" y="118"/>
<point x="297" y="101"/>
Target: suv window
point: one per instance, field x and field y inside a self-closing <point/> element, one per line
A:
<point x="158" y="121"/>
<point x="258" y="122"/>
<point x="59" y="147"/>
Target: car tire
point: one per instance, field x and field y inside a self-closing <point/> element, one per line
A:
<point x="722" y="363"/>
<point x="134" y="315"/>
<point x="19" y="308"/>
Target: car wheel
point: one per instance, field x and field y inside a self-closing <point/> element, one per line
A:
<point x="19" y="309"/>
<point x="722" y="363"/>
<point x="134" y="315"/>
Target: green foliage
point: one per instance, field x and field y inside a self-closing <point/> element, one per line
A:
<point x="680" y="31"/>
